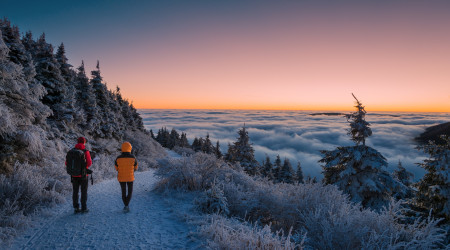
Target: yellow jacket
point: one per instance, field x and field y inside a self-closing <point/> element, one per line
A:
<point x="126" y="164"/>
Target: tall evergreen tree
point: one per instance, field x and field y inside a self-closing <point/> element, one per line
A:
<point x="277" y="169"/>
<point x="434" y="188"/>
<point x="197" y="144"/>
<point x="152" y="134"/>
<point x="217" y="151"/>
<point x="243" y="152"/>
<point x="184" y="143"/>
<point x="402" y="175"/>
<point x="17" y="52"/>
<point x="267" y="169"/>
<point x="86" y="99"/>
<point x="359" y="127"/>
<point x="49" y="75"/>
<point x="287" y="172"/>
<point x="207" y="146"/>
<point x="359" y="170"/>
<point x="174" y="139"/>
<point x="102" y="102"/>
<point x="299" y="174"/>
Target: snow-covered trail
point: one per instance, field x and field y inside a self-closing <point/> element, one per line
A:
<point x="150" y="224"/>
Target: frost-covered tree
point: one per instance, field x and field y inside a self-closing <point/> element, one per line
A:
<point x="184" y="143"/>
<point x="18" y="54"/>
<point x="359" y="127"/>
<point x="360" y="170"/>
<point x="197" y="144"/>
<point x="242" y="151"/>
<point x="207" y="146"/>
<point x="402" y="175"/>
<point x="267" y="168"/>
<point x="299" y="174"/>
<point x="69" y="100"/>
<point x="102" y="102"/>
<point x="277" y="169"/>
<point x="163" y="137"/>
<point x="49" y="75"/>
<point x="287" y="172"/>
<point x="434" y="188"/>
<point x="217" y="151"/>
<point x="22" y="114"/>
<point x="86" y="100"/>
<point x="152" y="134"/>
<point x="174" y="139"/>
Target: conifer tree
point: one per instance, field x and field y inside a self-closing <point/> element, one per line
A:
<point x="49" y="75"/>
<point x="217" y="151"/>
<point x="299" y="173"/>
<point x="163" y="137"/>
<point x="287" y="172"/>
<point x="102" y="102"/>
<point x="267" y="170"/>
<point x="68" y="75"/>
<point x="402" y="175"/>
<point x="207" y="146"/>
<point x="184" y="141"/>
<point x="197" y="144"/>
<point x="229" y="154"/>
<point x="359" y="170"/>
<point x="17" y="52"/>
<point x="277" y="169"/>
<point x="434" y="188"/>
<point x="359" y="127"/>
<point x="174" y="139"/>
<point x="86" y="99"/>
<point x="243" y="152"/>
<point x="152" y="134"/>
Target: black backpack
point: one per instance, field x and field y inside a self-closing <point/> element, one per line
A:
<point x="76" y="162"/>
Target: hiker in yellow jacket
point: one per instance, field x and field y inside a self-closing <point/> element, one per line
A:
<point x="126" y="164"/>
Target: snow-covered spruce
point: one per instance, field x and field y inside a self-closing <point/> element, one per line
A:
<point x="242" y="151"/>
<point x="434" y="188"/>
<point x="360" y="170"/>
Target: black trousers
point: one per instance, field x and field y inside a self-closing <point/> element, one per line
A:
<point x="77" y="183"/>
<point x="126" y="198"/>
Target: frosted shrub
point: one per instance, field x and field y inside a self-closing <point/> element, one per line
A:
<point x="143" y="145"/>
<point x="23" y="192"/>
<point x="32" y="140"/>
<point x="183" y="151"/>
<point x="233" y="234"/>
<point x="323" y="213"/>
<point x="214" y="201"/>
<point x="6" y="122"/>
<point x="103" y="167"/>
<point x="196" y="172"/>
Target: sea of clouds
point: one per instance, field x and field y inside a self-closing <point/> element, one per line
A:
<point x="298" y="135"/>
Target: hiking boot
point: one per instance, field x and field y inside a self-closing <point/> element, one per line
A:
<point x="84" y="210"/>
<point x="76" y="210"/>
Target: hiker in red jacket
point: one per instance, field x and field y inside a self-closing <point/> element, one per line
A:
<point x="81" y="181"/>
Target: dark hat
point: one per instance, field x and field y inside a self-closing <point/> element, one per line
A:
<point x="82" y="140"/>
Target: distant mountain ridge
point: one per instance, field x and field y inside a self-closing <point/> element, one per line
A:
<point x="433" y="133"/>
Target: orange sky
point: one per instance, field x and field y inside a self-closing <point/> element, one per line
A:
<point x="393" y="57"/>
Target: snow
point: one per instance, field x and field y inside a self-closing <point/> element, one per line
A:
<point x="151" y="223"/>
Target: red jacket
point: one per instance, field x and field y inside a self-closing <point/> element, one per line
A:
<point x="87" y="154"/>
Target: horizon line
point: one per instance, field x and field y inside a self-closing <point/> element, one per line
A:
<point x="306" y="110"/>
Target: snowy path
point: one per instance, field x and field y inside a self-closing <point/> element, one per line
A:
<point x="150" y="224"/>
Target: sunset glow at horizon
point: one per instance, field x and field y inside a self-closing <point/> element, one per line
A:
<point x="260" y="55"/>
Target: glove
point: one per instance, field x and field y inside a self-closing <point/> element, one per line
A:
<point x="88" y="171"/>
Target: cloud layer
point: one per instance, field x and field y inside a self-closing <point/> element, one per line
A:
<point x="299" y="136"/>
